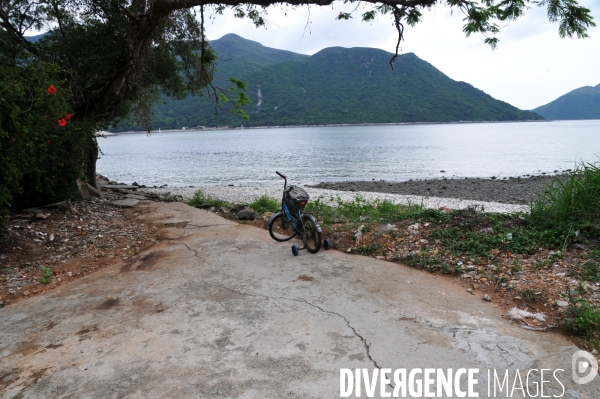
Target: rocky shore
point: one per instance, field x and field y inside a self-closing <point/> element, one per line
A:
<point x="513" y="190"/>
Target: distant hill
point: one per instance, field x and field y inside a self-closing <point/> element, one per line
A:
<point x="582" y="103"/>
<point x="334" y="86"/>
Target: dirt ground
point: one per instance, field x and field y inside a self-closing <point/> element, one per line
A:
<point x="52" y="247"/>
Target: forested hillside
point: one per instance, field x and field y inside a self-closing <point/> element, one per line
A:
<point x="334" y="86"/>
<point x="582" y="103"/>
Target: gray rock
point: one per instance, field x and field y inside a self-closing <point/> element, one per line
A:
<point x="486" y="231"/>
<point x="126" y="203"/>
<point x="239" y="207"/>
<point x="42" y="215"/>
<point x="246" y="214"/>
<point x="488" y="298"/>
<point x="561" y="304"/>
<point x="388" y="227"/>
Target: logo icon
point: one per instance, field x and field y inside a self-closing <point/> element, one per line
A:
<point x="585" y="367"/>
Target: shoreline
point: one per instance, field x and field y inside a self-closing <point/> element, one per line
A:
<point x="206" y="129"/>
<point x="249" y="194"/>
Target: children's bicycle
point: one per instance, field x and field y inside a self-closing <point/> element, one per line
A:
<point x="292" y="221"/>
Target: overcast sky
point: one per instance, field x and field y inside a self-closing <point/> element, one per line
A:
<point x="531" y="66"/>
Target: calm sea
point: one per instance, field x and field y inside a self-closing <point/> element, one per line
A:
<point x="324" y="154"/>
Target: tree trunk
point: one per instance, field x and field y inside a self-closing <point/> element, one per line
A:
<point x="90" y="164"/>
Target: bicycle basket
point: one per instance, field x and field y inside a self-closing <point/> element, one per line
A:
<point x="295" y="198"/>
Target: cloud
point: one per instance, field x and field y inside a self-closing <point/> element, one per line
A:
<point x="531" y="67"/>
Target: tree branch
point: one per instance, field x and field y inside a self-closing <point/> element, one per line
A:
<point x="15" y="34"/>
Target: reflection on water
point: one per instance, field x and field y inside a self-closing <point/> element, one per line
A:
<point x="315" y="154"/>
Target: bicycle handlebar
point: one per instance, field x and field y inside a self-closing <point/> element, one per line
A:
<point x="284" y="178"/>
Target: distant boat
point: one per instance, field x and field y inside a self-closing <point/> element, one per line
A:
<point x="103" y="133"/>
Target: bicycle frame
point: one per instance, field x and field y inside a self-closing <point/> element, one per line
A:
<point x="296" y="220"/>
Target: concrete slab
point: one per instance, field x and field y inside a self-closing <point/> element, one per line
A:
<point x="135" y="196"/>
<point x="116" y="187"/>
<point x="219" y="310"/>
<point x="126" y="203"/>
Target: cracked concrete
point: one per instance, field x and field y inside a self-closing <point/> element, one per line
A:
<point x="216" y="310"/>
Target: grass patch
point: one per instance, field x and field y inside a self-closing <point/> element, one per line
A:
<point x="531" y="296"/>
<point x="432" y="264"/>
<point x="168" y="197"/>
<point x="360" y="210"/>
<point x="467" y="233"/>
<point x="265" y="204"/>
<point x="366" y="249"/>
<point x="574" y="203"/>
<point x="200" y="198"/>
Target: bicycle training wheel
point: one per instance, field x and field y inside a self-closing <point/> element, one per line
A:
<point x="313" y="236"/>
<point x="281" y="231"/>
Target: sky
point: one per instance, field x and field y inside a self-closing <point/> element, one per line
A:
<point x="532" y="65"/>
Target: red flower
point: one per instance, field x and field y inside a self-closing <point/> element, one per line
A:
<point x="68" y="117"/>
<point x="62" y="123"/>
<point x="51" y="90"/>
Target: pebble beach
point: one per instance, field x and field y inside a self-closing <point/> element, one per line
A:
<point x="493" y="195"/>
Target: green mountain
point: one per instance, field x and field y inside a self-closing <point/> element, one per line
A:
<point x="334" y="86"/>
<point x="582" y="103"/>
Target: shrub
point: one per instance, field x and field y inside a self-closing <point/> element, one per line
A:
<point x="42" y="147"/>
<point x="200" y="198"/>
<point x="582" y="318"/>
<point x="265" y="204"/>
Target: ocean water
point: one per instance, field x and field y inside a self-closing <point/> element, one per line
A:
<point x="311" y="155"/>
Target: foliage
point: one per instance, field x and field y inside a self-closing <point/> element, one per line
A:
<point x="574" y="203"/>
<point x="265" y="204"/>
<point x="46" y="275"/>
<point x="200" y="198"/>
<point x="40" y="158"/>
<point x="590" y="271"/>
<point x="582" y="318"/>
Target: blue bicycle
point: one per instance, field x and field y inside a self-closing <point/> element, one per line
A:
<point x="292" y="221"/>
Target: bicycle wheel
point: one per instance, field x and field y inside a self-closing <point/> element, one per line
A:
<point x="281" y="231"/>
<point x="312" y="235"/>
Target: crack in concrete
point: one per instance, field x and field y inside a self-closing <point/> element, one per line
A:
<point x="269" y="298"/>
<point x="364" y="341"/>
<point x="356" y="334"/>
<point x="195" y="253"/>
